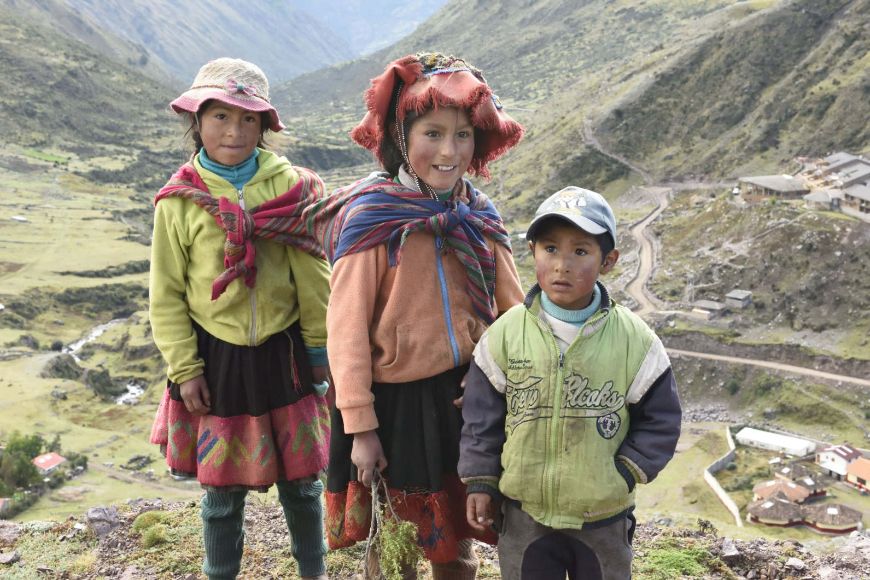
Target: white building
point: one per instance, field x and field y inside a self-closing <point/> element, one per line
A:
<point x="835" y="460"/>
<point x="793" y="446"/>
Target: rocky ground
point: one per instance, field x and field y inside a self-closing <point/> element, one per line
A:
<point x="105" y="543"/>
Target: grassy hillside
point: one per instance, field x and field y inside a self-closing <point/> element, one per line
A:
<point x="530" y="53"/>
<point x="63" y="102"/>
<point x="71" y="23"/>
<point x="805" y="269"/>
<point x="792" y="81"/>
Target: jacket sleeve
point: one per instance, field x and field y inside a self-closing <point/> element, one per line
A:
<point x="508" y="291"/>
<point x="311" y="276"/>
<point x="355" y="282"/>
<point x="483" y="435"/>
<point x="654" y="430"/>
<point x="171" y="325"/>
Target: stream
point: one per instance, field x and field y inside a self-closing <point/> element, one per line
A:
<point x="134" y="390"/>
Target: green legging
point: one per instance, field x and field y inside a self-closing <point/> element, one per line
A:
<point x="223" y="516"/>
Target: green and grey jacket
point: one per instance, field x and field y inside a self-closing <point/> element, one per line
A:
<point x="568" y="436"/>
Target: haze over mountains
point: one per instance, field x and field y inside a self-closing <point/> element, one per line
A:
<point x="173" y="39"/>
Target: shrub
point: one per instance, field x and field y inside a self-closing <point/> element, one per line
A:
<point x="155" y="535"/>
<point x="149" y="519"/>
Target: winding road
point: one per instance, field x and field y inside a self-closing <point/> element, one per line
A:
<point x="647" y="304"/>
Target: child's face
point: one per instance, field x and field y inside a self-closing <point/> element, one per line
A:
<point x="568" y="262"/>
<point x="440" y="146"/>
<point x="229" y="134"/>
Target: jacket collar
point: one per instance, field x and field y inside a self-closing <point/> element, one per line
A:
<point x="532" y="300"/>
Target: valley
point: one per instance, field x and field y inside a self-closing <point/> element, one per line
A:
<point x="660" y="105"/>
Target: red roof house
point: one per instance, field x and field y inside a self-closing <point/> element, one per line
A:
<point x="779" y="488"/>
<point x="858" y="473"/>
<point x="48" y="462"/>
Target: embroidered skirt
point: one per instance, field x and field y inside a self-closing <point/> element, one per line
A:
<point x="266" y="423"/>
<point x="419" y="432"/>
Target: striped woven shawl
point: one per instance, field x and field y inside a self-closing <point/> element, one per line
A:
<point x="279" y="219"/>
<point x="376" y="210"/>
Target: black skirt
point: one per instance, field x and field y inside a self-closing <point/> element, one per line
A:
<point x="419" y="429"/>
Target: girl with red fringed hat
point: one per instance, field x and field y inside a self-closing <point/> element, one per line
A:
<point x="238" y="305"/>
<point x="422" y="265"/>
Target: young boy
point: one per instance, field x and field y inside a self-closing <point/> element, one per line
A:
<point x="570" y="401"/>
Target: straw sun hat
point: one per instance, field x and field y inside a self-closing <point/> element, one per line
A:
<point x="232" y="81"/>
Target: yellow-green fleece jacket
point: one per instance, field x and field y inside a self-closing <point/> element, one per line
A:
<point x="187" y="253"/>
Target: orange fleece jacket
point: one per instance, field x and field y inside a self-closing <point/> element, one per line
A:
<point x="388" y="325"/>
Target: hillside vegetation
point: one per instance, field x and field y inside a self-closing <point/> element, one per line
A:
<point x="531" y="52"/>
<point x="805" y="268"/>
<point x="792" y="81"/>
<point x="155" y="539"/>
<point x="63" y="102"/>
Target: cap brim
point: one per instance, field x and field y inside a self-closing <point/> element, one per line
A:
<point x="191" y="100"/>
<point x="585" y="224"/>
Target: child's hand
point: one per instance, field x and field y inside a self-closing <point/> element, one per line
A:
<point x="196" y="396"/>
<point x="321" y="374"/>
<point x="368" y="455"/>
<point x="478" y="511"/>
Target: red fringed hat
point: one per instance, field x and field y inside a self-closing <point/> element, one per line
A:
<point x="434" y="80"/>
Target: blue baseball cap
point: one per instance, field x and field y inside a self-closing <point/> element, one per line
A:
<point x="583" y="208"/>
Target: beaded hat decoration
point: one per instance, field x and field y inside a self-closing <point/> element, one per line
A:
<point x="232" y="81"/>
<point x="432" y="80"/>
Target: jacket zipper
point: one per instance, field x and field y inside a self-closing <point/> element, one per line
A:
<point x="445" y="299"/>
<point x="552" y="451"/>
<point x="252" y="297"/>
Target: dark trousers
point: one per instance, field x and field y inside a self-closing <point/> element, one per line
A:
<point x="528" y="550"/>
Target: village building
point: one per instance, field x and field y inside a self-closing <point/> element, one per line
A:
<point x="803" y="476"/>
<point x="794" y="446"/>
<point x="835" y="459"/>
<point x="778" y="488"/>
<point x="856" y="201"/>
<point x="858" y="474"/>
<point x="840" y="161"/>
<point x="708" y="309"/>
<point x="775" y="512"/>
<point x="738" y="298"/>
<point x="824" y="199"/>
<point x="772" y="186"/>
<point x="854" y="175"/>
<point x="832" y="518"/>
<point x="48" y="462"/>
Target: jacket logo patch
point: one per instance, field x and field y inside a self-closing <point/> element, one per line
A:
<point x="608" y="425"/>
<point x="519" y="364"/>
<point x="522" y="401"/>
<point x="581" y="400"/>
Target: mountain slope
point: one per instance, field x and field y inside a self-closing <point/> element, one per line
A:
<point x="61" y="90"/>
<point x="795" y="81"/>
<point x="282" y="39"/>
<point x="528" y="50"/>
<point x="73" y="24"/>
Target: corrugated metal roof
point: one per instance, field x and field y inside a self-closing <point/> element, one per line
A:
<point x="783" y="183"/>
